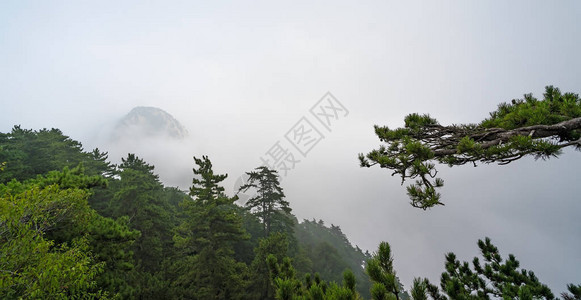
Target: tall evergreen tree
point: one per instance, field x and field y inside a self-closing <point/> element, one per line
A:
<point x="139" y="197"/>
<point x="269" y="204"/>
<point x="205" y="239"/>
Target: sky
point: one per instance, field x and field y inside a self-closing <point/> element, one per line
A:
<point x="241" y="75"/>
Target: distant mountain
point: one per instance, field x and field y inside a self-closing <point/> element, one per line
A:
<point x="144" y="122"/>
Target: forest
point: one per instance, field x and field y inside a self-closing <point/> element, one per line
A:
<point x="75" y="226"/>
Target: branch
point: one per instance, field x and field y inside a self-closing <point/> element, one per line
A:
<point x="497" y="136"/>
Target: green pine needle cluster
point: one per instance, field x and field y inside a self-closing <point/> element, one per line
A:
<point x="524" y="127"/>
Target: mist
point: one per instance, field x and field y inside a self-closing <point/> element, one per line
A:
<point x="239" y="77"/>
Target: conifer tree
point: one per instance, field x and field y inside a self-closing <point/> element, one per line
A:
<point x="382" y="274"/>
<point x="205" y="239"/>
<point x="28" y="153"/>
<point x="497" y="278"/>
<point x="98" y="163"/>
<point x="574" y="292"/>
<point x="524" y="127"/>
<point x="268" y="204"/>
<point x="287" y="286"/>
<point x="139" y="196"/>
<point x="275" y="244"/>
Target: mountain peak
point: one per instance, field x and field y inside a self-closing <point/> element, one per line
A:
<point x="145" y="121"/>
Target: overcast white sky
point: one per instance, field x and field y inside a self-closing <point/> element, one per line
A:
<point x="239" y="75"/>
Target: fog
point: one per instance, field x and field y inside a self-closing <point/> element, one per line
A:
<point x="239" y="76"/>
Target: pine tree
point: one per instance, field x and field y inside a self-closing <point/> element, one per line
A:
<point x="525" y="127"/>
<point x="497" y="278"/>
<point x="275" y="244"/>
<point x="138" y="196"/>
<point x="269" y="204"/>
<point x="287" y="286"/>
<point x="205" y="239"/>
<point x="574" y="292"/>
<point x="382" y="274"/>
<point x="28" y="153"/>
<point x="98" y="163"/>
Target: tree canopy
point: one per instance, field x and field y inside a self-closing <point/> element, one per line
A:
<point x="77" y="226"/>
<point x="268" y="204"/>
<point x="28" y="153"/>
<point x="54" y="245"/>
<point x="130" y="237"/>
<point x="523" y="127"/>
<point x="382" y="274"/>
<point x="496" y="278"/>
<point x="206" y="236"/>
<point x="288" y="287"/>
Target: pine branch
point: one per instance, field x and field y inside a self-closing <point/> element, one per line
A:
<point x="525" y="127"/>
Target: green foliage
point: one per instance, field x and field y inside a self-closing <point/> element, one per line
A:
<point x="65" y="179"/>
<point x="379" y="292"/>
<point x="276" y="244"/>
<point x="349" y="280"/>
<point x="554" y="108"/>
<point x="135" y="242"/>
<point x="382" y="274"/>
<point x="71" y="178"/>
<point x="112" y="243"/>
<point x="539" y="128"/>
<point x="139" y="196"/>
<point x="245" y="249"/>
<point x="327" y="261"/>
<point x="136" y="198"/>
<point x="419" y="289"/>
<point x="269" y="204"/>
<point x="495" y="278"/>
<point x="574" y="292"/>
<point x="56" y="207"/>
<point x="29" y="153"/>
<point x="327" y="251"/>
<point x="289" y="287"/>
<point x="139" y="244"/>
<point x="34" y="266"/>
<point x="205" y="238"/>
